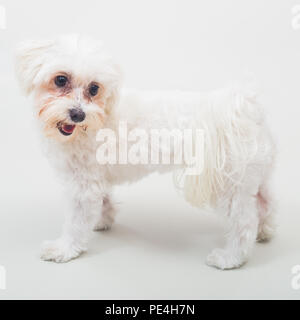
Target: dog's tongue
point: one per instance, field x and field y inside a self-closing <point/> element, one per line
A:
<point x="68" y="128"/>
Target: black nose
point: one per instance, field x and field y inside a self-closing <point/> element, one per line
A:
<point x="77" y="115"/>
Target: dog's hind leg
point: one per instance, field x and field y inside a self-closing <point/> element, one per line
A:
<point x="107" y="215"/>
<point x="266" y="212"/>
<point x="243" y="222"/>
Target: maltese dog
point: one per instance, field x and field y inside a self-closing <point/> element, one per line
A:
<point x="81" y="108"/>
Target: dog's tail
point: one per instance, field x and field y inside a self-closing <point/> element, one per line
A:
<point x="231" y="126"/>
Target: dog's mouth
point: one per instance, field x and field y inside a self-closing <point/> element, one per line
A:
<point x="65" y="128"/>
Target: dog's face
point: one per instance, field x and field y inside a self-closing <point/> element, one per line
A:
<point x="74" y="84"/>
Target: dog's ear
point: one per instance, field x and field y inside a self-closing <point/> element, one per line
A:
<point x="30" y="56"/>
<point x="115" y="87"/>
<point x="113" y="98"/>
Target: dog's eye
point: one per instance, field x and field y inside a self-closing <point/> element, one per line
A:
<point x="93" y="90"/>
<point x="61" y="81"/>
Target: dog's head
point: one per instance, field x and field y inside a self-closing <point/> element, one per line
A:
<point x="74" y="83"/>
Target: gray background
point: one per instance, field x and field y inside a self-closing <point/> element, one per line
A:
<point x="158" y="246"/>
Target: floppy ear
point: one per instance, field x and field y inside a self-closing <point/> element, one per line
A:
<point x="115" y="87"/>
<point x="30" y="57"/>
<point x="113" y="98"/>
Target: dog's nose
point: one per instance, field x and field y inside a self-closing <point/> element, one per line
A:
<point x="77" y="115"/>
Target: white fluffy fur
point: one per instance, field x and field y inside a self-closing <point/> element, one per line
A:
<point x="238" y="149"/>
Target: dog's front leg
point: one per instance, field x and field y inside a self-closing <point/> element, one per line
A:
<point x="77" y="229"/>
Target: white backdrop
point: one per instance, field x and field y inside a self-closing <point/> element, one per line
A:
<point x="158" y="246"/>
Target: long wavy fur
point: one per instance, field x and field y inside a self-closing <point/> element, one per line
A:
<point x="230" y="143"/>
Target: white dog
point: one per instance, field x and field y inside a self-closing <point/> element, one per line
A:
<point x="76" y="90"/>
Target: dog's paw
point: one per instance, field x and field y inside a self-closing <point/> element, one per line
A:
<point x="59" y="251"/>
<point x="223" y="259"/>
<point x="103" y="225"/>
<point x="266" y="231"/>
